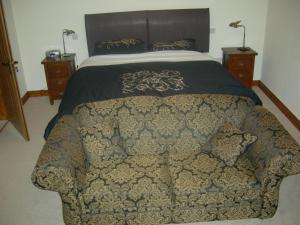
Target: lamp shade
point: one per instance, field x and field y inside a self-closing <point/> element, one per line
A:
<point x="68" y="32"/>
<point x="235" y="24"/>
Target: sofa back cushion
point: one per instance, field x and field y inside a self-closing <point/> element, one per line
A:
<point x="153" y="125"/>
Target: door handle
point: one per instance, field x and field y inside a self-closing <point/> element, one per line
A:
<point x="5" y="64"/>
<point x="8" y="64"/>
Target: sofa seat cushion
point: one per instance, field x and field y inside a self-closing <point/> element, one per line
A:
<point x="202" y="179"/>
<point x="127" y="185"/>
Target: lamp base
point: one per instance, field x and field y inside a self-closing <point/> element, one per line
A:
<point x="244" y="49"/>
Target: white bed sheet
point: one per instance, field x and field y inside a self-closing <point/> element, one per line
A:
<point x="158" y="56"/>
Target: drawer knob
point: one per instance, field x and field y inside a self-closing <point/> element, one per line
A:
<point x="59" y="82"/>
<point x="60" y="93"/>
<point x="242" y="64"/>
<point x="241" y="75"/>
<point x="57" y="71"/>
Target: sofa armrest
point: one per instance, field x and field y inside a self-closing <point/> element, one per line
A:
<point x="274" y="155"/>
<point x="61" y="164"/>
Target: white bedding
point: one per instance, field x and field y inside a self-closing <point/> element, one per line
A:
<point x="158" y="56"/>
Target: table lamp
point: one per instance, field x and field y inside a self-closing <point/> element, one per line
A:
<point x="66" y="32"/>
<point x="237" y="25"/>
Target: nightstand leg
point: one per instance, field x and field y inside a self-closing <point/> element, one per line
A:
<point x="51" y="101"/>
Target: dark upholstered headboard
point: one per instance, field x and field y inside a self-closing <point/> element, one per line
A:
<point x="149" y="26"/>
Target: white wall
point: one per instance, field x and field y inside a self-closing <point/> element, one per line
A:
<point x="281" y="70"/>
<point x="39" y="24"/>
<point x="11" y="30"/>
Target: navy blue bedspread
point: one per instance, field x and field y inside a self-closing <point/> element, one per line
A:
<point x="98" y="83"/>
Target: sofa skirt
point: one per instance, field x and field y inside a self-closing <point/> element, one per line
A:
<point x="240" y="210"/>
<point x="163" y="216"/>
<point x="176" y="215"/>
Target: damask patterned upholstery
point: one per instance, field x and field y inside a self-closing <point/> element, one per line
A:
<point x="137" y="182"/>
<point x="229" y="143"/>
<point x="203" y="182"/>
<point x="139" y="160"/>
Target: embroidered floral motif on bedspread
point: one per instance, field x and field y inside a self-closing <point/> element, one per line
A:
<point x="185" y="44"/>
<point x="162" y="81"/>
<point x="123" y="43"/>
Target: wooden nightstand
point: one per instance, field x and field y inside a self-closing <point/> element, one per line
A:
<point x="240" y="64"/>
<point x="58" y="71"/>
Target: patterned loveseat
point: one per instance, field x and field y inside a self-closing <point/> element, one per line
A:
<point x="143" y="160"/>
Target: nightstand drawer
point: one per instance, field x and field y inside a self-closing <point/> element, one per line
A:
<point x="55" y="83"/>
<point x="243" y="63"/>
<point x="56" y="70"/>
<point x="241" y="74"/>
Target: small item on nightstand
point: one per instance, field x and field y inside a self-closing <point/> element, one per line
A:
<point x="240" y="64"/>
<point x="58" y="71"/>
<point x="52" y="54"/>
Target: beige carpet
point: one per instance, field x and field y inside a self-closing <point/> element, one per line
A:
<point x="23" y="204"/>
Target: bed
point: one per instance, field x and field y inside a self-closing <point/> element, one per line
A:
<point x="182" y="69"/>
